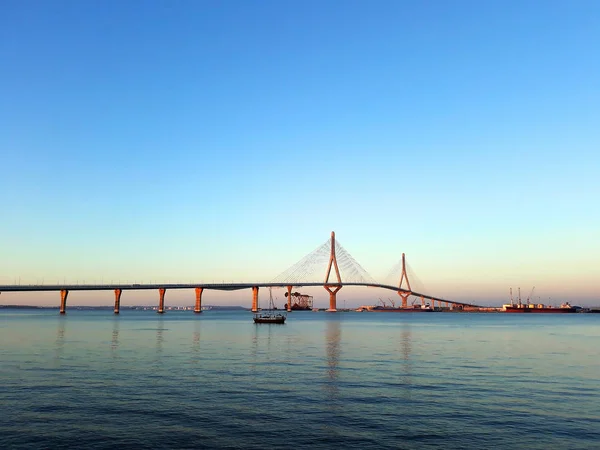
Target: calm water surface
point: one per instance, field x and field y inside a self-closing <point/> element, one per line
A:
<point x="347" y="380"/>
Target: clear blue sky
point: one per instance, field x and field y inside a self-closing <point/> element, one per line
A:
<point x="197" y="140"/>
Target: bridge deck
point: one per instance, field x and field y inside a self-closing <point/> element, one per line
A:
<point x="208" y="286"/>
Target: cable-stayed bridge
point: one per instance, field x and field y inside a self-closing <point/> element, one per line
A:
<point x="341" y="270"/>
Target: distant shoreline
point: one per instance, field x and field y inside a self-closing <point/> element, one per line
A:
<point x="137" y="307"/>
<point x="593" y="309"/>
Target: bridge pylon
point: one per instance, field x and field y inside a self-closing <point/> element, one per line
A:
<point x="404" y="293"/>
<point x="332" y="288"/>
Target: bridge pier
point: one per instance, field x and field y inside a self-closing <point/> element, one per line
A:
<point x="63" y="300"/>
<point x="198" y="306"/>
<point x="404" y="296"/>
<point x="161" y="301"/>
<point x="117" y="300"/>
<point x="289" y="298"/>
<point x="332" y="296"/>
<point x="254" y="298"/>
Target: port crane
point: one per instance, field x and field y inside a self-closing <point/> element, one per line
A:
<point x="385" y="305"/>
<point x="530" y="296"/>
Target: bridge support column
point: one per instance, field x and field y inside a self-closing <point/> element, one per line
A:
<point x="63" y="300"/>
<point x="254" y="298"/>
<point x="117" y="300"/>
<point x="198" y="306"/>
<point x="161" y="300"/>
<point x="422" y="301"/>
<point x="289" y="298"/>
<point x="332" y="296"/>
<point x="404" y="296"/>
<point x="328" y="285"/>
<point x="405" y="293"/>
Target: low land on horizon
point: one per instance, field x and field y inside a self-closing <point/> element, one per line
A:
<point x="236" y="308"/>
<point x="108" y="307"/>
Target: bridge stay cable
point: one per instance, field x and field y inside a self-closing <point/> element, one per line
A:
<point x="309" y="271"/>
<point x="310" y="268"/>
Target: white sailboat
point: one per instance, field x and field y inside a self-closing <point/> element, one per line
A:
<point x="269" y="315"/>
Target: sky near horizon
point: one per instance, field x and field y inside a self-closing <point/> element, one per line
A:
<point x="148" y="141"/>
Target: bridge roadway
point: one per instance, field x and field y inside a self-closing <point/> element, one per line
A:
<point x="208" y="286"/>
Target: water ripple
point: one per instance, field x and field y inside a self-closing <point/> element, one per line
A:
<point x="446" y="381"/>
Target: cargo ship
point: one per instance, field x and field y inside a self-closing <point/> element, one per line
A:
<point x="539" y="308"/>
<point x="528" y="307"/>
<point x="393" y="308"/>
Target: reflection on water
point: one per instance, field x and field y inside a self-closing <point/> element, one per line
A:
<point x="160" y="329"/>
<point x="266" y="345"/>
<point x="195" y="352"/>
<point x="115" y="335"/>
<point x="269" y="334"/>
<point x="196" y="337"/>
<point x="406" y="346"/>
<point x="254" y="350"/>
<point x="60" y="339"/>
<point x="254" y="346"/>
<point x="392" y="382"/>
<point x="332" y="338"/>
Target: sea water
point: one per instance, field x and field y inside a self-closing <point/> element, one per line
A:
<point x="92" y="380"/>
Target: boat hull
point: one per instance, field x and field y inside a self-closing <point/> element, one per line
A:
<point x="275" y="319"/>
<point x="540" y="310"/>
